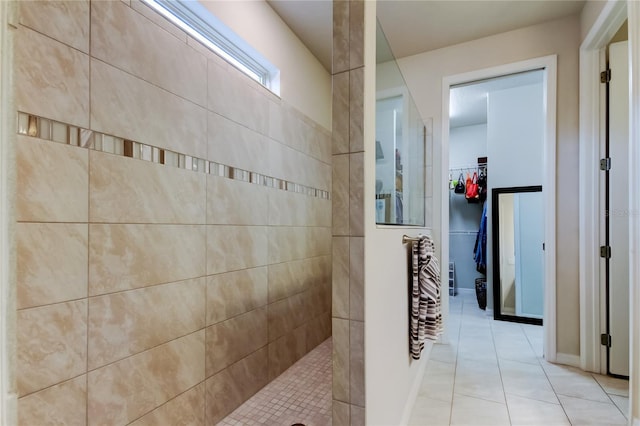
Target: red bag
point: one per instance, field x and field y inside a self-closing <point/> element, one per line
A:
<point x="472" y="194"/>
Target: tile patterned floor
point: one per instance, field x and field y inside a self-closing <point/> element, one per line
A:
<point x="493" y="373"/>
<point x="302" y="394"/>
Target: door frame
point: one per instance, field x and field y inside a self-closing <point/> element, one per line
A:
<point x="592" y="127"/>
<point x="603" y="29"/>
<point x="549" y="63"/>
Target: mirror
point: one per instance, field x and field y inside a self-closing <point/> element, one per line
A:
<point x="400" y="145"/>
<point x="518" y="254"/>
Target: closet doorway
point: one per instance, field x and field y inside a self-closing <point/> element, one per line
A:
<point x="499" y="136"/>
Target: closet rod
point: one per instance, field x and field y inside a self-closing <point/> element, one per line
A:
<point x="406" y="239"/>
<point x="469" y="166"/>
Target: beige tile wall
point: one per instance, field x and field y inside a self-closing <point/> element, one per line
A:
<point x="348" y="213"/>
<point x="150" y="294"/>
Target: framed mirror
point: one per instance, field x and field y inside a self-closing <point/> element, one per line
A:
<point x="518" y="254"/>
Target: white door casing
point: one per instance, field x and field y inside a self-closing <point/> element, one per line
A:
<point x="549" y="64"/>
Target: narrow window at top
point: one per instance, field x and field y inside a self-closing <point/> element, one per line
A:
<point x="199" y="23"/>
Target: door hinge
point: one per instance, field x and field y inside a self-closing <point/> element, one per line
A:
<point x="605" y="76"/>
<point x="605" y="164"/>
<point x="605" y="340"/>
<point x="605" y="251"/>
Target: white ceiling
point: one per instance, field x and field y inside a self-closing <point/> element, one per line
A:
<point x="415" y="26"/>
<point x="468" y="103"/>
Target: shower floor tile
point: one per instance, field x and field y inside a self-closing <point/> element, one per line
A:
<point x="302" y="394"/>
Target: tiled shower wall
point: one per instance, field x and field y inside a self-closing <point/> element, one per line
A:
<point x="348" y="213"/>
<point x="179" y="258"/>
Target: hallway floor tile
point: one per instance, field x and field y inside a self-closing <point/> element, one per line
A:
<point x="493" y="373"/>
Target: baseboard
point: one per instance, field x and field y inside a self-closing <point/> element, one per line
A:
<point x="567" y="359"/>
<point x="413" y="392"/>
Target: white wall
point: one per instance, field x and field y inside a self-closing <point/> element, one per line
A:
<point x="424" y="73"/>
<point x="515" y="138"/>
<point x="466" y="144"/>
<point x="392" y="379"/>
<point x="304" y="83"/>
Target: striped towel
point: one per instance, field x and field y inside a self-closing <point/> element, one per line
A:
<point x="426" y="315"/>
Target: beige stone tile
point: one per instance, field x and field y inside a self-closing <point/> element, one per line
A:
<point x="295" y="166"/>
<point x="358" y="415"/>
<point x="356" y="33"/>
<point x="340" y="36"/>
<point x="291" y="243"/>
<point x="526" y="380"/>
<point x="321" y="212"/>
<point x="570" y="381"/>
<point x="231" y="248"/>
<point x="622" y="402"/>
<point x="341" y="359"/>
<point x="356" y="111"/>
<point x="229" y="341"/>
<point x="478" y="379"/>
<point x="473" y="411"/>
<point x="340" y="277"/>
<point x="525" y="411"/>
<point x="185" y="409"/>
<point x="234" y="385"/>
<point x="153" y="193"/>
<point x="286" y="315"/>
<point x="121" y="392"/>
<point x="234" y="145"/>
<point x="51" y="263"/>
<point x="126" y="323"/>
<point x="62" y="404"/>
<point x="430" y="412"/>
<point x="51" y="345"/>
<point x="64" y="21"/>
<point x="125" y="106"/>
<point x="340" y="194"/>
<point x="145" y="10"/>
<point x="437" y="382"/>
<point x="286" y="350"/>
<point x="341" y="413"/>
<point x="613" y="386"/>
<point x="124" y="38"/>
<point x="356" y="278"/>
<point x="289" y="278"/>
<point x="235" y="202"/>
<point x="60" y="75"/>
<point x="319" y="143"/>
<point x="340" y="112"/>
<point x="234" y="95"/>
<point x="356" y="194"/>
<point x="276" y="120"/>
<point x="586" y="412"/>
<point x="356" y="363"/>
<point x="290" y="208"/>
<point x="318" y="330"/>
<point x="123" y="257"/>
<point x="52" y="181"/>
<point x="235" y="293"/>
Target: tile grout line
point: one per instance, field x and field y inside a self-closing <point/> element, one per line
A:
<point x="504" y="394"/>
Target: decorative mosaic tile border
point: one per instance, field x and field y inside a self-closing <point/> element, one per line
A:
<point x="55" y="131"/>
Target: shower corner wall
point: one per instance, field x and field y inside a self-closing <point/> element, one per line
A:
<point x="153" y="291"/>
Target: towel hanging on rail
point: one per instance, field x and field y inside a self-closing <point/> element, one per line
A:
<point x="425" y="316"/>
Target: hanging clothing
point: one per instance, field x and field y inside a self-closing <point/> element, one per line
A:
<point x="425" y="316"/>
<point x="480" y="249"/>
